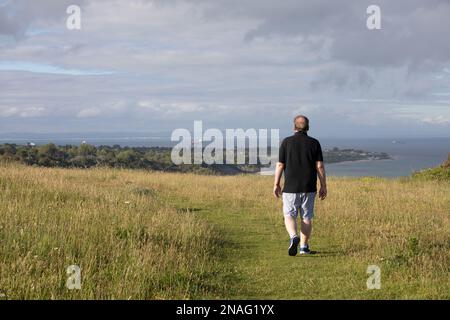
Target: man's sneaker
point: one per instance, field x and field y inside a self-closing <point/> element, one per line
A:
<point x="293" y="247"/>
<point x="305" y="250"/>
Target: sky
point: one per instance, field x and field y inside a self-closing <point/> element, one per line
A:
<point x="158" y="65"/>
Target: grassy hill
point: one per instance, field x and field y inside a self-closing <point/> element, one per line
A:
<point x="441" y="173"/>
<point x="152" y="235"/>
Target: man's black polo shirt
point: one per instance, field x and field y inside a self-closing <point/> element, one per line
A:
<point x="299" y="153"/>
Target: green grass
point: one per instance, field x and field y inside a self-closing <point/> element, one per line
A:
<point x="150" y="235"/>
<point x="441" y="173"/>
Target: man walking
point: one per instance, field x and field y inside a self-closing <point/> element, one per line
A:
<point x="301" y="160"/>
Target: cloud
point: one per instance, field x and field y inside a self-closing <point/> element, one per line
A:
<point x="412" y="31"/>
<point x="183" y="109"/>
<point x="169" y="108"/>
<point x="28" y="112"/>
<point x="8" y="111"/>
<point x="89" y="113"/>
<point x="232" y="63"/>
<point x="305" y="109"/>
<point x="439" y="120"/>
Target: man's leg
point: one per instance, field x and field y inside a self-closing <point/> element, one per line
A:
<point x="290" y="211"/>
<point x="307" y="214"/>
<point x="291" y="225"/>
<point x="305" y="230"/>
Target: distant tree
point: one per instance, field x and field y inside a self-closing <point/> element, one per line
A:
<point x="8" y="152"/>
<point x="32" y="157"/>
<point x="22" y="154"/>
<point x="106" y="157"/>
<point x="128" y="157"/>
<point x="83" y="161"/>
<point x="86" y="150"/>
<point x="72" y="151"/>
<point x="50" y="156"/>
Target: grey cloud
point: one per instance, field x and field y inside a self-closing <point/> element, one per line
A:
<point x="412" y="31"/>
<point x="330" y="80"/>
<point x="342" y="79"/>
<point x="229" y="62"/>
<point x="8" y="24"/>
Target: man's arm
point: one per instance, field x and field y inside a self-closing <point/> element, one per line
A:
<point x="323" y="179"/>
<point x="276" y="186"/>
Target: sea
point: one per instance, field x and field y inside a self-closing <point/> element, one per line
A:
<point x="408" y="155"/>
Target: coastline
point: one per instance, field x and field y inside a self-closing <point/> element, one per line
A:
<point x="361" y="161"/>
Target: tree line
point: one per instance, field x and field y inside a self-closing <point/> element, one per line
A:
<point x="87" y="156"/>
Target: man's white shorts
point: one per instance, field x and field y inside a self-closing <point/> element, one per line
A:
<point x="295" y="202"/>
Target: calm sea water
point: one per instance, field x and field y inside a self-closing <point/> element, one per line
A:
<point x="408" y="154"/>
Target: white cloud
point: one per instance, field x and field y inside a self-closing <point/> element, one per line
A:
<point x="89" y="113"/>
<point x="32" y="112"/>
<point x="8" y="111"/>
<point x="439" y="120"/>
<point x="306" y="110"/>
<point x="180" y="109"/>
<point x="28" y="112"/>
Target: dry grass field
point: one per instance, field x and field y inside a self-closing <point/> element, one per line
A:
<point x="151" y="235"/>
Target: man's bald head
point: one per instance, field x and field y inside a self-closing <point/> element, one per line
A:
<point x="301" y="123"/>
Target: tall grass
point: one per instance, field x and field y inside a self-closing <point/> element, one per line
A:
<point x="112" y="224"/>
<point x="152" y="235"/>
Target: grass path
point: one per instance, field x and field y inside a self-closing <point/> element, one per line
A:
<point x="256" y="251"/>
<point x="259" y="254"/>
